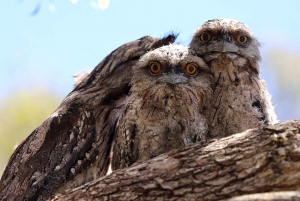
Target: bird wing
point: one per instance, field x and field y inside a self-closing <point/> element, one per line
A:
<point x="79" y="133"/>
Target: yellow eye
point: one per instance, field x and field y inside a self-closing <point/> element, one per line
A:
<point x="155" y="67"/>
<point x="242" y="39"/>
<point x="205" y="37"/>
<point x="191" y="69"/>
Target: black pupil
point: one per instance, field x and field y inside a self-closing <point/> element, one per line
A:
<point x="154" y="67"/>
<point x="242" y="39"/>
<point x="205" y="37"/>
<point x="191" y="69"/>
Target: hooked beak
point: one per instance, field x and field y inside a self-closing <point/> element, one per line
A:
<point x="173" y="78"/>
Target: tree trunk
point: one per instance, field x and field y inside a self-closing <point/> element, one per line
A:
<point x="264" y="159"/>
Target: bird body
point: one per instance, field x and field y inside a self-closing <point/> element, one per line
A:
<point x="73" y="145"/>
<point x="163" y="111"/>
<point x="240" y="99"/>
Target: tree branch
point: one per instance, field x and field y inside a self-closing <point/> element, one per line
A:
<point x="260" y="160"/>
<point x="273" y="196"/>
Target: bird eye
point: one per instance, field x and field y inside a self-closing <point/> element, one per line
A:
<point x="155" y="67"/>
<point x="242" y="39"/>
<point x="205" y="37"/>
<point x="191" y="69"/>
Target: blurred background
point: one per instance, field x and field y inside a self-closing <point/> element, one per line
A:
<point x="44" y="43"/>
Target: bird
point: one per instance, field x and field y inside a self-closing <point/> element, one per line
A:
<point x="163" y="111"/>
<point x="240" y="99"/>
<point x="72" y="146"/>
<point x="80" y="76"/>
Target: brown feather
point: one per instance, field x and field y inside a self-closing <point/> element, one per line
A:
<point x="240" y="100"/>
<point x="72" y="146"/>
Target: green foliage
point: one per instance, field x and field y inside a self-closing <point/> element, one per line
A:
<point x="21" y="112"/>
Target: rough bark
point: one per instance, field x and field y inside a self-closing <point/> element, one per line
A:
<point x="265" y="159"/>
<point x="271" y="196"/>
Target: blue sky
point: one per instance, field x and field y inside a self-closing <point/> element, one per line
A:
<point x="45" y="50"/>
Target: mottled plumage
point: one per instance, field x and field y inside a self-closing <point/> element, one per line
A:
<point x="73" y="145"/>
<point x="163" y="111"/>
<point x="240" y="99"/>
